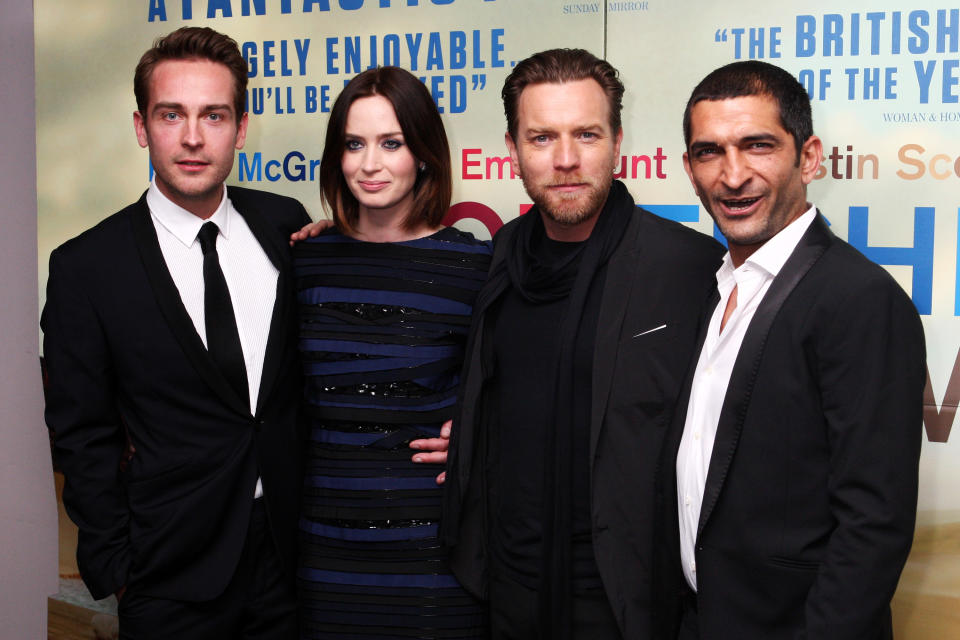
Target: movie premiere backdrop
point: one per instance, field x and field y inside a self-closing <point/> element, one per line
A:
<point x="884" y="78"/>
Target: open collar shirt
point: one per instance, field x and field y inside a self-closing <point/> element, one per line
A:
<point x="712" y="375"/>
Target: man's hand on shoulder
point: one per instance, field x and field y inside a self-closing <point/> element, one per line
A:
<point x="310" y="230"/>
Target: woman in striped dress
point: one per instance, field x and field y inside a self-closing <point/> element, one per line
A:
<point x="385" y="301"/>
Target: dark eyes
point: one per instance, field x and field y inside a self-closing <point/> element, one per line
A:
<point x="390" y="144"/>
<point x="751" y="146"/>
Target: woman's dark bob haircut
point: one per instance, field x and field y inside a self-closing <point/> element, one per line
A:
<point x="423" y="133"/>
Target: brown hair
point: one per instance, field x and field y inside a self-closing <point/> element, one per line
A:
<point x="423" y="133"/>
<point x="192" y="43"/>
<point x="557" y="66"/>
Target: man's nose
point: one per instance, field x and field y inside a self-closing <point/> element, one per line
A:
<point x="736" y="170"/>
<point x="566" y="155"/>
<point x="192" y="133"/>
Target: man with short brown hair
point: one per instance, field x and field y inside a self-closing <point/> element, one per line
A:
<point x="171" y="323"/>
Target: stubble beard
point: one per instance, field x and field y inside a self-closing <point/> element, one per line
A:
<point x="755" y="231"/>
<point x="570" y="209"/>
<point x="744" y="236"/>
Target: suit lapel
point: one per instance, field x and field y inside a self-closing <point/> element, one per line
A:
<point x="617" y="288"/>
<point x="743" y="377"/>
<point x="279" y="321"/>
<point x="667" y="467"/>
<point x="171" y="306"/>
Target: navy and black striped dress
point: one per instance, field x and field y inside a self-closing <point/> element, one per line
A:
<point x="382" y="333"/>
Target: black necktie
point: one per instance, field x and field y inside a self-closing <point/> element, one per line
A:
<point x="223" y="339"/>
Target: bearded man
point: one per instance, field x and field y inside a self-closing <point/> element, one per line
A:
<point x="580" y="341"/>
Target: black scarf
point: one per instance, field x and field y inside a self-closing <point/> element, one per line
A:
<point x="540" y="281"/>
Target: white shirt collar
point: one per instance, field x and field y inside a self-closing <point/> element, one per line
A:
<point x="182" y="224"/>
<point x="774" y="253"/>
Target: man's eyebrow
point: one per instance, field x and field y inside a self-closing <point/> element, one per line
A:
<point x="535" y="131"/>
<point x="179" y="106"/>
<point x="759" y="137"/>
<point x="167" y="105"/>
<point x="702" y="144"/>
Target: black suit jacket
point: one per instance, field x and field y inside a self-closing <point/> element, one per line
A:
<point x="811" y="491"/>
<point x="123" y="357"/>
<point x="657" y="282"/>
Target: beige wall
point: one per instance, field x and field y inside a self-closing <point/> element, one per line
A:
<point x="28" y="533"/>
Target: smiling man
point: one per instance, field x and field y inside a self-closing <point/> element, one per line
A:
<point x="168" y="326"/>
<point x="578" y="347"/>
<point x="790" y="480"/>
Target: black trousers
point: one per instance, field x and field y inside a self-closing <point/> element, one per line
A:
<point x="689" y="622"/>
<point x="259" y="603"/>
<point x="514" y="613"/>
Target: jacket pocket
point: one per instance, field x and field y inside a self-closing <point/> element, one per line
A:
<point x="792" y="563"/>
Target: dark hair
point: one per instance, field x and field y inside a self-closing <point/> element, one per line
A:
<point x="756" y="78"/>
<point x="192" y="43"/>
<point x="423" y="133"/>
<point x="557" y="66"/>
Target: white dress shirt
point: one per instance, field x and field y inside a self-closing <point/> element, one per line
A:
<point x="712" y="375"/>
<point x="251" y="277"/>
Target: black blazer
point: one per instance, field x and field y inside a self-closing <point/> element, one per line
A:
<point x="657" y="282"/>
<point x="811" y="491"/>
<point x="123" y="357"/>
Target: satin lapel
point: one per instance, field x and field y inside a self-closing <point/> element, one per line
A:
<point x="743" y="377"/>
<point x="617" y="289"/>
<point x="279" y="255"/>
<point x="171" y="305"/>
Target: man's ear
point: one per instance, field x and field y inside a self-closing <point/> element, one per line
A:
<point x="512" y="148"/>
<point x="617" y="139"/>
<point x="241" y="131"/>
<point x="689" y="170"/>
<point x="140" y="127"/>
<point x="811" y="155"/>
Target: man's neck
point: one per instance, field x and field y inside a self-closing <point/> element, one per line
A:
<point x="202" y="206"/>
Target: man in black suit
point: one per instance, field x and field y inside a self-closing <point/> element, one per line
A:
<point x="790" y="478"/>
<point x="170" y="325"/>
<point x="578" y="348"/>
